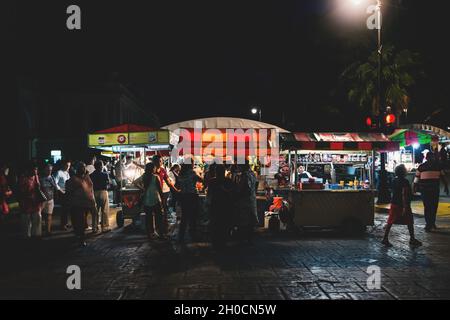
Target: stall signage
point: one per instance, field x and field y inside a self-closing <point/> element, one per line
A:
<point x="108" y="139"/>
<point x="406" y="158"/>
<point x="154" y="137"/>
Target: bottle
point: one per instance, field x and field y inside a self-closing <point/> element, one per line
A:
<point x="355" y="183"/>
<point x="327" y="185"/>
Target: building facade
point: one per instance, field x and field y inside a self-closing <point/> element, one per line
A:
<point x="59" y="117"/>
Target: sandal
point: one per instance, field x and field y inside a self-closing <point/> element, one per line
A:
<point x="386" y="243"/>
<point x="415" y="243"/>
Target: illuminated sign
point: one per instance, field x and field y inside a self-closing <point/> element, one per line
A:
<point x="154" y="137"/>
<point x="131" y="138"/>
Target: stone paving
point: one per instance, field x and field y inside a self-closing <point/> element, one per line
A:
<point x="123" y="264"/>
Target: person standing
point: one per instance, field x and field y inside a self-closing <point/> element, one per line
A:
<point x="400" y="212"/>
<point x="90" y="167"/>
<point x="30" y="203"/>
<point x="100" y="180"/>
<point x="166" y="186"/>
<point x="246" y="203"/>
<point x="61" y="177"/>
<point x="174" y="173"/>
<point x="119" y="178"/>
<point x="5" y="190"/>
<point x="427" y="182"/>
<point x="152" y="202"/>
<point x="48" y="186"/>
<point x="81" y="200"/>
<point x="189" y="200"/>
<point x="219" y="197"/>
<point x="444" y="156"/>
<point x="303" y="174"/>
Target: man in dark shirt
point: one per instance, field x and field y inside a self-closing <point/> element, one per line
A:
<point x="427" y="181"/>
<point x="100" y="181"/>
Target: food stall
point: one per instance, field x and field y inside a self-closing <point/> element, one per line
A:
<point x="137" y="141"/>
<point x="225" y="138"/>
<point x="332" y="177"/>
<point x="228" y="139"/>
<point x="415" y="140"/>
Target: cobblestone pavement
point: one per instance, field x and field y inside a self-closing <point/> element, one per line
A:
<point x="123" y="264"/>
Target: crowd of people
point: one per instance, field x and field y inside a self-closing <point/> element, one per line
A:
<point x="230" y="199"/>
<point x="78" y="190"/>
<point x="82" y="189"/>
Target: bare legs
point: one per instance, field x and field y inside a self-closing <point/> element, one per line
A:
<point x="413" y="241"/>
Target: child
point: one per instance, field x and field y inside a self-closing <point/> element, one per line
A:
<point x="400" y="212"/>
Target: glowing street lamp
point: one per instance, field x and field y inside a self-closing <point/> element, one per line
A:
<point x="257" y="110"/>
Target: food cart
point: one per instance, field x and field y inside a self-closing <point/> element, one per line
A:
<point x="339" y="190"/>
<point x="140" y="142"/>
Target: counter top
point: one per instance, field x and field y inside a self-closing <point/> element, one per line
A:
<point x="323" y="190"/>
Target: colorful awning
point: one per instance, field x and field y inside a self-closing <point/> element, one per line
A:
<point x="419" y="133"/>
<point x="127" y="128"/>
<point x="338" y="141"/>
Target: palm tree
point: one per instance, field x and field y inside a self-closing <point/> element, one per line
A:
<point x="398" y="76"/>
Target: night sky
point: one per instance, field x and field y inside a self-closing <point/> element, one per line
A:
<point x="189" y="59"/>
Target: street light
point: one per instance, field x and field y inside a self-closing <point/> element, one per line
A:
<point x="383" y="192"/>
<point x="384" y="195"/>
<point x="257" y="110"/>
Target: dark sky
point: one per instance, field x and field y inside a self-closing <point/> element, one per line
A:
<point x="190" y="58"/>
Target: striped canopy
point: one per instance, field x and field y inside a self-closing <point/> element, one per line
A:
<point x="338" y="141"/>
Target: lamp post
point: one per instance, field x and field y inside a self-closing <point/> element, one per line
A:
<point x="257" y="110"/>
<point x="384" y="195"/>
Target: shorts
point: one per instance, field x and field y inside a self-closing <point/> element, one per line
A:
<point x="48" y="207"/>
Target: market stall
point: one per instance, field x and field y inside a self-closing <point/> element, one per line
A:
<point x="331" y="182"/>
<point x="131" y="145"/>
<point x="231" y="140"/>
<point x="417" y="138"/>
<point x="415" y="141"/>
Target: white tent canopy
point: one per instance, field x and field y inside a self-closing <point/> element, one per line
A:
<point x="223" y="123"/>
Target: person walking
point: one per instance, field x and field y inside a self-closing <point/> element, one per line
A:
<point x="100" y="181"/>
<point x="81" y="200"/>
<point x="400" y="212"/>
<point x="5" y="190"/>
<point x="427" y="182"/>
<point x="61" y="177"/>
<point x="189" y="200"/>
<point x="30" y="202"/>
<point x="49" y="188"/>
<point x="220" y="200"/>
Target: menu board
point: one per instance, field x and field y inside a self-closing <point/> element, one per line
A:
<point x="131" y="138"/>
<point x="154" y="137"/>
<point x="108" y="139"/>
<point x="406" y="158"/>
